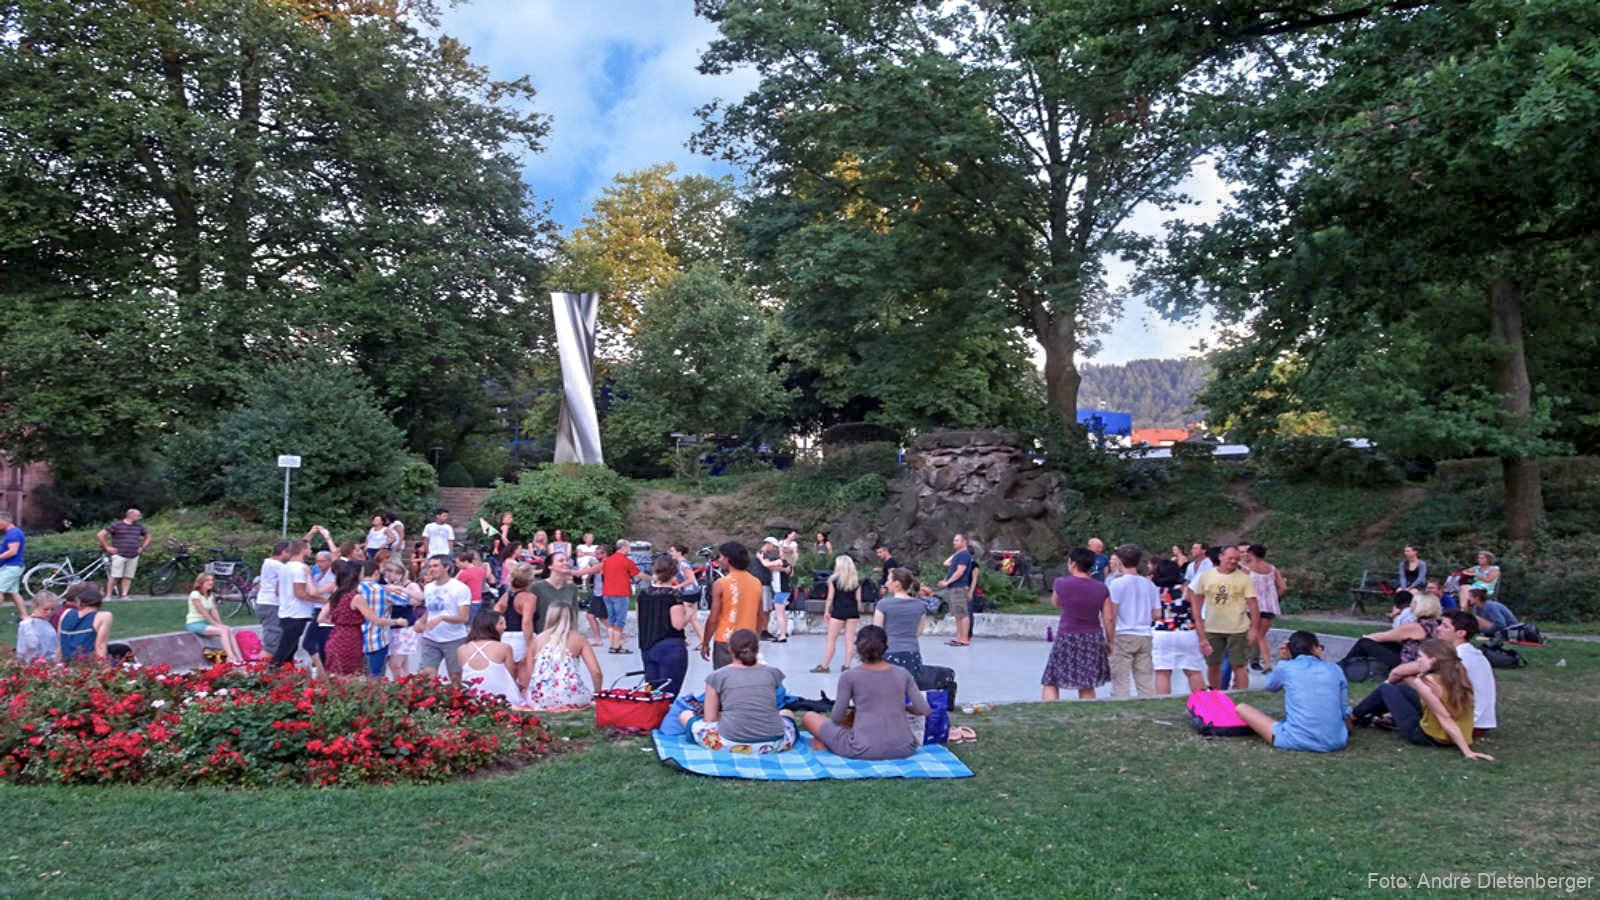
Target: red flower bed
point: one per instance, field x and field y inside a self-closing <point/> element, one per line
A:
<point x="89" y="724"/>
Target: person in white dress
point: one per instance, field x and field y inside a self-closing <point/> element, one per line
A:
<point x="556" y="682"/>
<point x="486" y="661"/>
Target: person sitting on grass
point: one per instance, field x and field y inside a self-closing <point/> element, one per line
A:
<point x="36" y="637"/>
<point x="741" y="710"/>
<point x="486" y="660"/>
<point x="1459" y="627"/>
<point x="1316" y="700"/>
<point x="1428" y="700"/>
<point x="883" y="694"/>
<point x="1494" y="617"/>
<point x="554" y="682"/>
<point x="1399" y="644"/>
<point x="86" y="629"/>
<point x="203" y="618"/>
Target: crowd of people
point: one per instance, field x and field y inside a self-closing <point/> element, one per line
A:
<point x="512" y="623"/>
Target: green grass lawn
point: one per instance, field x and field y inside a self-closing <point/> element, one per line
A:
<point x="1069" y="800"/>
<point x="136" y="617"/>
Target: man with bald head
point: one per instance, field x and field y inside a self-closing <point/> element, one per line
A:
<point x="124" y="540"/>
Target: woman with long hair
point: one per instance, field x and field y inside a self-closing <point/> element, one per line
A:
<point x="1486" y="574"/>
<point x="343" y="653"/>
<point x="1269" y="585"/>
<point x="900" y="616"/>
<point x="519" y="609"/>
<point x="486" y="659"/>
<point x="882" y="695"/>
<point x="555" y="682"/>
<point x="843" y="609"/>
<point x="376" y="604"/>
<point x="203" y="617"/>
<point x="1430" y="700"/>
<point x="559" y="543"/>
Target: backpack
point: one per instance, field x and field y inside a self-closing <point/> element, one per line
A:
<point x="1503" y="657"/>
<point x="1363" y="668"/>
<point x="1524" y="633"/>
<point x="1213" y="714"/>
<point x="938" y="678"/>
<point x="249" y="645"/>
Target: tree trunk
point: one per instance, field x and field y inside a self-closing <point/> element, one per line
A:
<point x="1061" y="378"/>
<point x="1524" y="496"/>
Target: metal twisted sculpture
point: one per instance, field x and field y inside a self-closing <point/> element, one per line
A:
<point x="578" y="428"/>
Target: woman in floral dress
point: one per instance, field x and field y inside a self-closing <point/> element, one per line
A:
<point x="556" y="682"/>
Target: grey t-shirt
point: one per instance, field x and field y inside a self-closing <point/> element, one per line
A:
<point x="547" y="596"/>
<point x="749" y="702"/>
<point x="880" y="730"/>
<point x="901" y="616"/>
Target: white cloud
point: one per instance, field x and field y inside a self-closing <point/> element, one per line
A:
<point x="574" y="53"/>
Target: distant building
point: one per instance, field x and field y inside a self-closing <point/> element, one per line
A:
<point x="20" y="488"/>
<point x="1158" y="437"/>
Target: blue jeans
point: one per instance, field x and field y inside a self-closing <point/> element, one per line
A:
<point x="376" y="660"/>
<point x="617" y="612"/>
<point x="666" y="660"/>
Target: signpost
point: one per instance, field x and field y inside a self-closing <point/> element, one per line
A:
<point x="287" y="463"/>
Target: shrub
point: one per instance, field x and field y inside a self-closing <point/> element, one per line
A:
<point x="847" y="433"/>
<point x="1329" y="459"/>
<point x="91" y="724"/>
<point x="352" y="454"/>
<point x="573" y="497"/>
<point x="846" y="463"/>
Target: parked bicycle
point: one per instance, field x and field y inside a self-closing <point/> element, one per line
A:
<point x="56" y="577"/>
<point x="183" y="562"/>
<point x="234" y="591"/>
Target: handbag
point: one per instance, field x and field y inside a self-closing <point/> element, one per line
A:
<point x="638" y="709"/>
<point x="1503" y="657"/>
<point x="936" y="730"/>
<point x="1363" y="668"/>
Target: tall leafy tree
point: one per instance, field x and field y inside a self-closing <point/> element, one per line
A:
<point x="1411" y="156"/>
<point x="646" y="228"/>
<point x="192" y="190"/>
<point x="969" y="165"/>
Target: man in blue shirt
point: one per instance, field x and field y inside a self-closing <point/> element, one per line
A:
<point x="1494" y="617"/>
<point x="12" y="542"/>
<point x="1316" y="701"/>
<point x="956" y="589"/>
<point x="1101" y="559"/>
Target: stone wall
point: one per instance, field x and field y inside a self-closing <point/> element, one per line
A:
<point x="979" y="482"/>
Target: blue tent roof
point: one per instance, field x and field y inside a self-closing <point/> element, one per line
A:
<point x="1102" y="421"/>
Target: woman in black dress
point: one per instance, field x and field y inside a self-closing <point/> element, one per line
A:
<point x="843" y="609"/>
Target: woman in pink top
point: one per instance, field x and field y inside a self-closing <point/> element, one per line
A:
<point x="473" y="574"/>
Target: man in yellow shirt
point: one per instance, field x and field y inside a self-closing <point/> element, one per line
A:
<point x="1224" y="600"/>
<point x="735" y="603"/>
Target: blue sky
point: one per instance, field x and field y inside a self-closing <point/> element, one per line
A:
<point x="618" y="80"/>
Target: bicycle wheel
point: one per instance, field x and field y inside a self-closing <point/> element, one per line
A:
<point x="161" y="581"/>
<point x="228" y="599"/>
<point x="52" y="577"/>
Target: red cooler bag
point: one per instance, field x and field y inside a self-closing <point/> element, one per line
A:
<point x="637" y="709"/>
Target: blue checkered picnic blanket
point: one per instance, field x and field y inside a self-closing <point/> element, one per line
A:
<point x="801" y="763"/>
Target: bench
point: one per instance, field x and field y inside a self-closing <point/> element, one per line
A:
<point x="1365" y="590"/>
<point x="181" y="650"/>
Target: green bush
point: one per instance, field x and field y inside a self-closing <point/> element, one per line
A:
<point x="845" y="463"/>
<point x="869" y="487"/>
<point x="455" y="475"/>
<point x="1330" y="460"/>
<point x="572" y="497"/>
<point x="353" y="456"/>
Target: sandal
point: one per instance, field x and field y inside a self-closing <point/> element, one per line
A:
<point x="958" y="643"/>
<point x="821" y="670"/>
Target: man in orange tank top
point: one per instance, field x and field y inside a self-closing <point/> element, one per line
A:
<point x="735" y="603"/>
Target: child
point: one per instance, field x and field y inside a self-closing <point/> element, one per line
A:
<point x="1315" y="703"/>
<point x="36" y="637"/>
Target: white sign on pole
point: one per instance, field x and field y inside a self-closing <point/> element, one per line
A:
<point x="288" y="462"/>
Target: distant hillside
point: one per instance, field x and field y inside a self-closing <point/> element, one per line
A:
<point x="1157" y="391"/>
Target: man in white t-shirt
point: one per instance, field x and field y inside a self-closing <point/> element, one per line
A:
<point x="443" y="624"/>
<point x="1134" y="601"/>
<point x="441" y="537"/>
<point x="297" y="602"/>
<point x="1459" y="627"/>
<point x="267" y="597"/>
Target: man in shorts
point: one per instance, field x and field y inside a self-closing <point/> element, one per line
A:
<point x="956" y="589"/>
<point x="735" y="603"/>
<point x="443" y="624"/>
<point x="617" y="574"/>
<point x="124" y="539"/>
<point x="12" y="543"/>
<point x="1226" y="613"/>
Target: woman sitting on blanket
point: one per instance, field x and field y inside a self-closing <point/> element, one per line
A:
<point x="883" y="694"/>
<point x="741" y="707"/>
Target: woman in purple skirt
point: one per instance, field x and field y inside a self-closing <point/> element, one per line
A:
<point x="1079" y="656"/>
